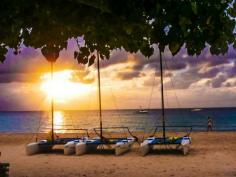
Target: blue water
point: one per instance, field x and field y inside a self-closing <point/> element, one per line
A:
<point x="31" y="122"/>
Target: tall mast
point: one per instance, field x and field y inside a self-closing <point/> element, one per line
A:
<point x="52" y="105"/>
<point x="162" y="99"/>
<point x="99" y="95"/>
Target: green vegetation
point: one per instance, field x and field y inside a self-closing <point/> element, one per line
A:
<point x="110" y="24"/>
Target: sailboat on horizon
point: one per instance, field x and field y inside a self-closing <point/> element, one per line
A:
<point x="142" y="111"/>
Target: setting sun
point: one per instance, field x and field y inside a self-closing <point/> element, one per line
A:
<point x="62" y="88"/>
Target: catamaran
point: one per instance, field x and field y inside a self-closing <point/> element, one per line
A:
<point x="119" y="144"/>
<point x="46" y="145"/>
<point x="182" y="143"/>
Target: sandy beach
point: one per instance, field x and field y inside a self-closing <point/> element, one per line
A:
<point x="211" y="154"/>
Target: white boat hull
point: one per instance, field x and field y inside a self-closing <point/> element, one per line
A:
<point x="185" y="149"/>
<point x="35" y="148"/>
<point x="81" y="148"/>
<point x="69" y="148"/>
<point x="144" y="148"/>
<point x="32" y="148"/>
<point x="123" y="147"/>
<point x="185" y="146"/>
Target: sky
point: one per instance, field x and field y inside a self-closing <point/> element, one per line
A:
<point x="128" y="81"/>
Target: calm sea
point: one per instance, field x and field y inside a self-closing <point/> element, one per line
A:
<point x="39" y="121"/>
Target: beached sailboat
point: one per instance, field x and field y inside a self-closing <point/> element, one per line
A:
<point x="46" y="145"/>
<point x="182" y="143"/>
<point x="120" y="145"/>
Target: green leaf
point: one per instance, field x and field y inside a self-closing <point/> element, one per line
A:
<point x="107" y="25"/>
<point x="76" y="54"/>
<point x="3" y="52"/>
<point x="232" y="11"/>
<point x="82" y="60"/>
<point x="234" y="46"/>
<point x="50" y="53"/>
<point x="174" y="47"/>
<point x="91" y="60"/>
<point x="194" y="7"/>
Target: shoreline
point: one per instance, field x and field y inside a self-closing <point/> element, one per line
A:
<point x="227" y="107"/>
<point x="139" y="132"/>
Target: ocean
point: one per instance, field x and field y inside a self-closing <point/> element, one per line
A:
<point x="224" y="119"/>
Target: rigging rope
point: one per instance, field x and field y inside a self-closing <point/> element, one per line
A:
<point x="114" y="100"/>
<point x="175" y="94"/>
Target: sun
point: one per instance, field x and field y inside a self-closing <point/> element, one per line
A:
<point x="62" y="88"/>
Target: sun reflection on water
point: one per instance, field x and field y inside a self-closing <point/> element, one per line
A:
<point x="59" y="121"/>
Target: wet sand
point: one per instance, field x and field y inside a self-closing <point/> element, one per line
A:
<point x="212" y="154"/>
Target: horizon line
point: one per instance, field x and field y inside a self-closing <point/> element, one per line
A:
<point x="111" y="109"/>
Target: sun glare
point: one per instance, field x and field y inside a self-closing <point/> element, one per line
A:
<point x="62" y="88"/>
<point x="58" y="120"/>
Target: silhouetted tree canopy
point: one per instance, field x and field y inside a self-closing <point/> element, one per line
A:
<point x="110" y="24"/>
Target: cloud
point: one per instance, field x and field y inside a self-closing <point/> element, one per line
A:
<point x="210" y="73"/>
<point x="195" y="75"/>
<point x="85" y="77"/>
<point x="19" y="77"/>
<point x="117" y="56"/>
<point x="30" y="64"/>
<point x="184" y="70"/>
<point x="25" y="62"/>
<point x="13" y="96"/>
<point x="218" y="80"/>
<point x="128" y="75"/>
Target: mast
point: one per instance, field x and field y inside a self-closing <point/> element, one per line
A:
<point x="99" y="96"/>
<point x="52" y="106"/>
<point x="162" y="99"/>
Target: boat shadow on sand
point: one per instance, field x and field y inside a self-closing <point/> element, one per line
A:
<point x="172" y="151"/>
<point x="58" y="150"/>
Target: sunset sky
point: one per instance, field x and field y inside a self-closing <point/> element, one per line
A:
<point x="127" y="81"/>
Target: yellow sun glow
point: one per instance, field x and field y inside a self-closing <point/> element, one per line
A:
<point x="62" y="88"/>
<point x="58" y="121"/>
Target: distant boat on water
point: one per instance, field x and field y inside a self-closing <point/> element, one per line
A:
<point x="142" y="111"/>
<point x="196" y="109"/>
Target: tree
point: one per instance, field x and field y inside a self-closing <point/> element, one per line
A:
<point x="108" y="24"/>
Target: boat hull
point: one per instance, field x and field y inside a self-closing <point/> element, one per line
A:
<point x="69" y="148"/>
<point x="123" y="146"/>
<point x="183" y="144"/>
<point x="81" y="148"/>
<point x="37" y="147"/>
